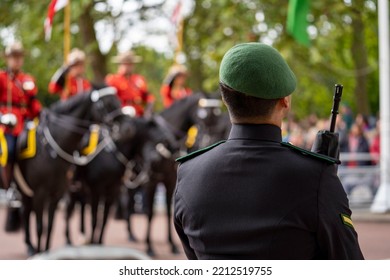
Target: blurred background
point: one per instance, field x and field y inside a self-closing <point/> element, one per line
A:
<point x="338" y="44"/>
<point x="342" y="46"/>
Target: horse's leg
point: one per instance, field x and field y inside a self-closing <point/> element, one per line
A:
<point x="50" y="216"/>
<point x="27" y="207"/>
<point x="119" y="215"/>
<point x="38" y="207"/>
<point x="69" y="211"/>
<point x="82" y="213"/>
<point x="94" y="214"/>
<point x="150" y="190"/>
<point x="129" y="212"/>
<point x="170" y="187"/>
<point x="107" y="206"/>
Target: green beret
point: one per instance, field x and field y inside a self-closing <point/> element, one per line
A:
<point x="257" y="70"/>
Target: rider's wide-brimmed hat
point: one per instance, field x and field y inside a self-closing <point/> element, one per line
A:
<point x="15" y="49"/>
<point x="175" y="71"/>
<point x="76" y="56"/>
<point x="127" y="58"/>
<point x="257" y="70"/>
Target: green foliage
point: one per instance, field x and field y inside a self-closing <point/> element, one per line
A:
<point x="215" y="26"/>
<point x="210" y="30"/>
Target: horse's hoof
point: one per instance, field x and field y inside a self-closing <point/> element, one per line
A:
<point x="150" y="252"/>
<point x="132" y="238"/>
<point x="174" y="250"/>
<point x="83" y="240"/>
<point x="31" y="251"/>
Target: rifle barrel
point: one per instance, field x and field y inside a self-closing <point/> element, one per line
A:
<point x="338" y="91"/>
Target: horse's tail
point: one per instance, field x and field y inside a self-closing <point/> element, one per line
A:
<point x="14" y="219"/>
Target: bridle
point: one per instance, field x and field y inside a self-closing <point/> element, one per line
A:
<point x="78" y="126"/>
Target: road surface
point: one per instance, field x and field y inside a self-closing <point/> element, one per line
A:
<point x="374" y="237"/>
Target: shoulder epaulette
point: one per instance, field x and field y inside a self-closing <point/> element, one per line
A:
<point x="312" y="154"/>
<point x="198" y="152"/>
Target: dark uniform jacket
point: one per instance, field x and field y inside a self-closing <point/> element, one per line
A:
<point x="254" y="198"/>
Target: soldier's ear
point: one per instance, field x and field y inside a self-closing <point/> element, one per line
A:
<point x="286" y="102"/>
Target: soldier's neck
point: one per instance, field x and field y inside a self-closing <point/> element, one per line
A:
<point x="274" y="121"/>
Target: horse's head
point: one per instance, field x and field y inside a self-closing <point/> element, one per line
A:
<point x="209" y="111"/>
<point x="105" y="105"/>
<point x="183" y="113"/>
<point x="96" y="106"/>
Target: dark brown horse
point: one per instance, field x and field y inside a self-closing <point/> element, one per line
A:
<point x="102" y="178"/>
<point x="44" y="178"/>
<point x="161" y="166"/>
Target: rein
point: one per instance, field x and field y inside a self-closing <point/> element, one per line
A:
<point x="167" y="126"/>
<point x="74" y="125"/>
<point x="129" y="165"/>
<point x="75" y="158"/>
<point x="170" y="133"/>
<point x="70" y="123"/>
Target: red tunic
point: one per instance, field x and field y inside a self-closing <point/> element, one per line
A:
<point x="18" y="96"/>
<point x="75" y="86"/>
<point x="169" y="97"/>
<point x="132" y="90"/>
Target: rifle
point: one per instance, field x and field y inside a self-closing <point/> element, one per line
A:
<point x="336" y="103"/>
<point x="327" y="141"/>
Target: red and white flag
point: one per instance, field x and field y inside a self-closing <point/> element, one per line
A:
<point x="176" y="14"/>
<point x="175" y="19"/>
<point x="54" y="6"/>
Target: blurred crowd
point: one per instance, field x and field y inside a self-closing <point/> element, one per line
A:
<point x="359" y="138"/>
<point x="357" y="133"/>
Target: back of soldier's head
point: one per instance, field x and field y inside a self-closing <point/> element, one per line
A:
<point x="253" y="77"/>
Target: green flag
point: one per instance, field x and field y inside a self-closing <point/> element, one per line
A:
<point x="297" y="21"/>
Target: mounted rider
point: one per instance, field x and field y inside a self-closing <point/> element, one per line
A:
<point x="132" y="88"/>
<point x="70" y="79"/>
<point x="174" y="86"/>
<point x="18" y="103"/>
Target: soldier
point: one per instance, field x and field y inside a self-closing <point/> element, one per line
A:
<point x="70" y="79"/>
<point x="174" y="86"/>
<point x="131" y="88"/>
<point x="18" y="101"/>
<point x="253" y="196"/>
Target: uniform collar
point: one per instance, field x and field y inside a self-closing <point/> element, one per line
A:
<point x="265" y="132"/>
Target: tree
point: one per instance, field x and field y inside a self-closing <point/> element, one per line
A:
<point x="23" y="20"/>
<point x="343" y="47"/>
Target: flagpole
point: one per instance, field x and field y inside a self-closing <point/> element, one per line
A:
<point x="179" y="35"/>
<point x="381" y="203"/>
<point x="67" y="43"/>
<point x="67" y="31"/>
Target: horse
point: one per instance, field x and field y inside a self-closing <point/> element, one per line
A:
<point x="175" y="122"/>
<point x="43" y="178"/>
<point x="102" y="178"/>
<point x="212" y="124"/>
